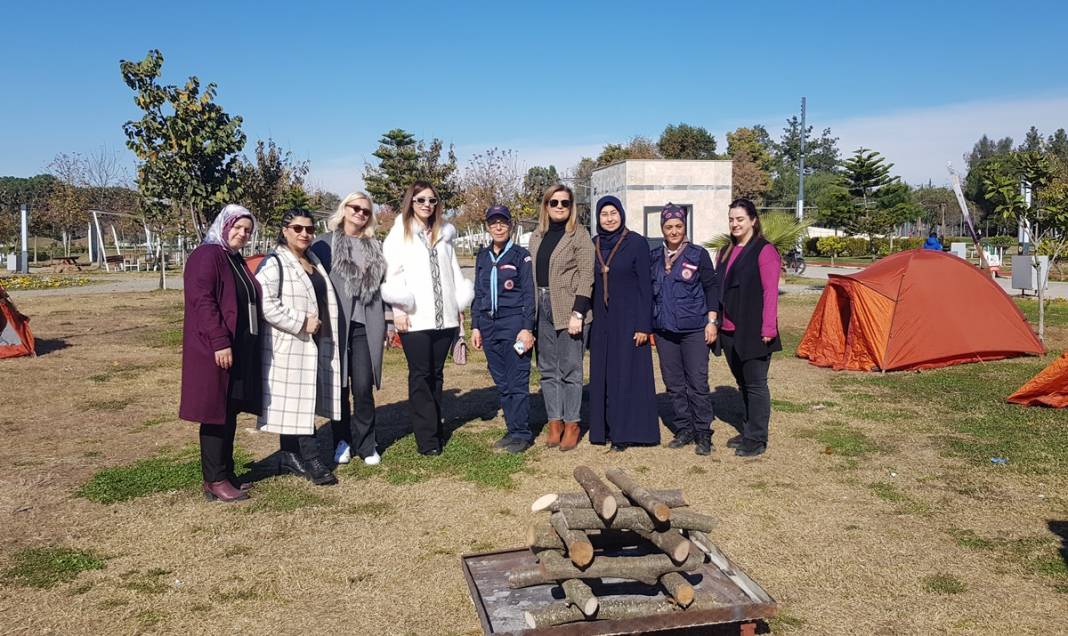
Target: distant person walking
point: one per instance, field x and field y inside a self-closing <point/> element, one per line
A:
<point x="221" y="348"/>
<point x="685" y="308"/>
<point x="502" y="323"/>
<point x="301" y="361"/>
<point x="932" y="242"/>
<point x="353" y="257"/>
<point x="428" y="293"/>
<point x="749" y="332"/>
<point x="562" y="253"/>
<point x="622" y="393"/>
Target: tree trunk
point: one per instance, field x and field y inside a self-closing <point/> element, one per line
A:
<point x="579" y="548"/>
<point x="658" y="509"/>
<point x="601" y="496"/>
<point x="581" y="596"/>
<point x="678" y="588"/>
<point x="1041" y="297"/>
<point x="554" y="567"/>
<point x="558" y="501"/>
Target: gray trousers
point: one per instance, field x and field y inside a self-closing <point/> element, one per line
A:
<point x="560" y="364"/>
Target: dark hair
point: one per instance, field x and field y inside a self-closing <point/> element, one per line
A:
<point x="287" y="218"/>
<point x="751" y="212"/>
<point x="437" y="219"/>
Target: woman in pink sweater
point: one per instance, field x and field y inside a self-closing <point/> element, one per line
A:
<point x="749" y="331"/>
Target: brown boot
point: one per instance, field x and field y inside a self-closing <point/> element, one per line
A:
<point x="571" y="436"/>
<point x="556" y="429"/>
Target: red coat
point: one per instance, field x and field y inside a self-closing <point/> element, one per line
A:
<point x="210" y="321"/>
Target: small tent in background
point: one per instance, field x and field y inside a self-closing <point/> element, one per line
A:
<point x="918" y="309"/>
<point x="15" y="337"/>
<point x="1048" y="388"/>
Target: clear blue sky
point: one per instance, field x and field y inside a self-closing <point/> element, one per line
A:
<point x="918" y="80"/>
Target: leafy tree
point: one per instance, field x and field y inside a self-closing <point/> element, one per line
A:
<point x="35" y="192"/>
<point x="987" y="148"/>
<point x="537" y="180"/>
<point x="187" y="144"/>
<point x="750" y="151"/>
<point x="402" y="160"/>
<point x="821" y="153"/>
<point x="686" y="142"/>
<point x="580" y="181"/>
<point x="834" y="205"/>
<point x="637" y="148"/>
<point x="939" y="206"/>
<point x="69" y="198"/>
<point x="268" y="181"/>
<point x="831" y="246"/>
<point x="1058" y="145"/>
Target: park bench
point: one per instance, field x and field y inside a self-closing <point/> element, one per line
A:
<point x="63" y="264"/>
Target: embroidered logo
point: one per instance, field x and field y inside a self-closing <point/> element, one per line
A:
<point x="687" y="273"/>
<point x="509" y="284"/>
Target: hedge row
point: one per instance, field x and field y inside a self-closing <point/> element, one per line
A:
<point x="854" y="246"/>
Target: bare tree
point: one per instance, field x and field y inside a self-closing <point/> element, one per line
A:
<point x="102" y="171"/>
<point x="68" y="201"/>
<point x="491" y="177"/>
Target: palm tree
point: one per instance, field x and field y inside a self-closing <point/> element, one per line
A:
<point x="780" y="229"/>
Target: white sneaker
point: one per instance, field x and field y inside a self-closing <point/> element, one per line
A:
<point x="343" y="454"/>
<point x="373" y="459"/>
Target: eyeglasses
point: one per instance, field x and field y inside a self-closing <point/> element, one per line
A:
<point x="563" y="203"/>
<point x="424" y="200"/>
<point x="301" y="229"/>
<point x="360" y="209"/>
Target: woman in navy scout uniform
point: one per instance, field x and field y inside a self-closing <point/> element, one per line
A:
<point x="502" y="322"/>
<point x="685" y="306"/>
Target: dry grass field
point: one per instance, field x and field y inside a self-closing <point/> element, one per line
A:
<point x="876" y="509"/>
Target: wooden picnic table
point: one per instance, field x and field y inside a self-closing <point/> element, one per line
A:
<point x="62" y="264"/>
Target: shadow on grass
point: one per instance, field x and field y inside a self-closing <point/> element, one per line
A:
<point x="1060" y="528"/>
<point x="45" y="346"/>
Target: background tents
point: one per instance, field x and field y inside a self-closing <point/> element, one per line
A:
<point x="917" y="309"/>
<point x="15" y="337"/>
<point x="1048" y="388"/>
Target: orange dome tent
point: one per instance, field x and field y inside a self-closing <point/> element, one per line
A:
<point x="918" y="309"/>
<point x="15" y="337"/>
<point x="1048" y="388"/>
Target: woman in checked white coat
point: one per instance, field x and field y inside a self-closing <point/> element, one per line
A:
<point x="301" y="363"/>
<point x="428" y="293"/>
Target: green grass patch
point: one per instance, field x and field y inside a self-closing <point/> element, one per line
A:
<point x="108" y="405"/>
<point x="145" y="582"/>
<point x="789" y="338"/>
<point x="468" y="456"/>
<point x="177" y="471"/>
<point x="1056" y="311"/>
<point x="968" y="539"/>
<point x="838" y="439"/>
<point x="170" y="338"/>
<point x="48" y="566"/>
<point x="888" y="492"/>
<point x="786" y="406"/>
<point x="1038" y="554"/>
<point x="284" y="495"/>
<point x="118" y="372"/>
<point x="944" y="584"/>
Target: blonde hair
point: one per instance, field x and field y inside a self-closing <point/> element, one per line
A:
<point x="543" y="218"/>
<point x="437" y="218"/>
<point x="338" y="218"/>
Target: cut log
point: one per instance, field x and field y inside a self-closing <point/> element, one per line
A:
<point x="556" y="501"/>
<point x="678" y="588"/>
<point x="601" y="496"/>
<point x="542" y="535"/>
<point x="638" y="494"/>
<point x="690" y="520"/>
<point x="625" y="519"/>
<point x="581" y="596"/>
<point x="672" y="543"/>
<point x="579" y="548"/>
<point x="553" y="567"/>
<point x="610" y="609"/>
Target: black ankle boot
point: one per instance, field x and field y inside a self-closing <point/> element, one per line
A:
<point x="704" y="444"/>
<point x="682" y="438"/>
<point x="318" y="473"/>
<point x="291" y="463"/>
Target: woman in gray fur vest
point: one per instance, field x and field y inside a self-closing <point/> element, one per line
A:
<point x="353" y="257"/>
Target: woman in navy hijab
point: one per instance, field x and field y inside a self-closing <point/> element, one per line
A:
<point x="622" y="394"/>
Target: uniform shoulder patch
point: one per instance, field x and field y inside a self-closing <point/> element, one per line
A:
<point x="527" y="259"/>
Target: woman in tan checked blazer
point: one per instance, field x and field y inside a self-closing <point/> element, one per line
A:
<point x="301" y="363"/>
<point x="563" y="275"/>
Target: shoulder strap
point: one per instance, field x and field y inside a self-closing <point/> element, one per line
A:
<point x="281" y="271"/>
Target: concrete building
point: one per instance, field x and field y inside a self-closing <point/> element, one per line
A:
<point x="646" y="185"/>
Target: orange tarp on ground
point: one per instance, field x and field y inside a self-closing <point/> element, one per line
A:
<point x="917" y="309"/>
<point x="1048" y="388"/>
<point x="15" y="337"/>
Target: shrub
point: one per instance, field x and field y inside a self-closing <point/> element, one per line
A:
<point x="831" y="245"/>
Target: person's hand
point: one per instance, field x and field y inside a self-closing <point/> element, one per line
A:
<point x="476" y="339"/>
<point x="526" y="338"/>
<point x="640" y="338"/>
<point x="767" y="340"/>
<point x="711" y="332"/>
<point x="224" y="358"/>
<point x="401" y="322"/>
<point x="311" y="324"/>
<point x="574" y="326"/>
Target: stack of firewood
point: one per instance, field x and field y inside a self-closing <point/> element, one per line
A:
<point x="587" y="535"/>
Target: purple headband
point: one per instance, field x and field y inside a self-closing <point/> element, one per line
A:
<point x="672" y="211"/>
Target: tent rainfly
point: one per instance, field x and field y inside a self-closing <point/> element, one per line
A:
<point x="1048" y="388"/>
<point x="15" y="337"/>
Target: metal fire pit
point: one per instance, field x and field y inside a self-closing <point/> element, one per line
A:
<point x="500" y="608"/>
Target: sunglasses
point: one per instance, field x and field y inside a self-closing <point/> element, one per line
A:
<point x="424" y="200"/>
<point x="360" y="209"/>
<point x="563" y="203"/>
<point x="301" y="229"/>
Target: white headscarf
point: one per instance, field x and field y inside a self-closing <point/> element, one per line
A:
<point x="224" y="221"/>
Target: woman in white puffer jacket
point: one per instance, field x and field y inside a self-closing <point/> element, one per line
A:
<point x="428" y="293"/>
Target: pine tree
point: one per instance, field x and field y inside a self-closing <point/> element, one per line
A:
<point x="398" y="167"/>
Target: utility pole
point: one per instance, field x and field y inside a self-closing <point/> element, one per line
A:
<point x="801" y="169"/>
<point x="24" y="263"/>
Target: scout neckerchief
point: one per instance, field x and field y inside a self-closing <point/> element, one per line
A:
<point x="605" y="264"/>
<point x="435" y="275"/>
<point x="493" y="275"/>
<point x="669" y="260"/>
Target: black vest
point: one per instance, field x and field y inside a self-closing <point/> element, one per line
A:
<point x="743" y="301"/>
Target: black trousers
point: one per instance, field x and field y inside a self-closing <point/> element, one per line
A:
<point x="217" y="449"/>
<point x="684" y="369"/>
<point x="752" y="378"/>
<point x="357" y="424"/>
<point x="304" y="446"/>
<point x="426" y="352"/>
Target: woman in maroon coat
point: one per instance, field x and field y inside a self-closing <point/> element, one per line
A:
<point x="220" y="347"/>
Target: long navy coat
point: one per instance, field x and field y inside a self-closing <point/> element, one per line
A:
<point x="622" y="393"/>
